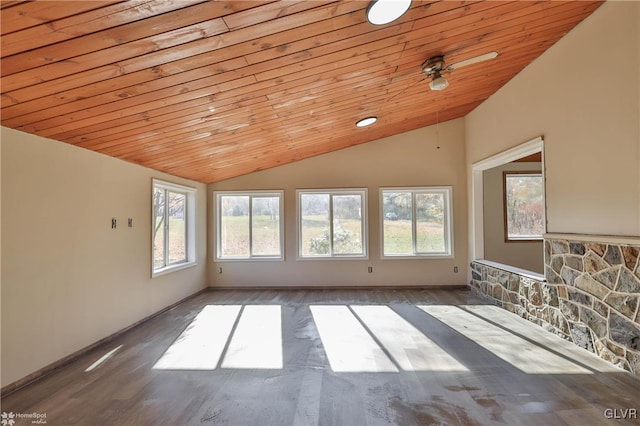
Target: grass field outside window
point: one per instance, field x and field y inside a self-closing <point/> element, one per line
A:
<point x="249" y="225"/>
<point x="332" y="223"/>
<point x="416" y="222"/>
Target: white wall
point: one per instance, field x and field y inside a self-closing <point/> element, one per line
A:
<point x="1" y="258"/>
<point x="637" y="65"/>
<point x="582" y="95"/>
<point x="409" y="159"/>
<point x="68" y="279"/>
<point x="522" y="254"/>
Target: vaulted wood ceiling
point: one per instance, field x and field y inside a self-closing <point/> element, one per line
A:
<point x="212" y="90"/>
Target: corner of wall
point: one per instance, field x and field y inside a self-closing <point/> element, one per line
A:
<point x="1" y="259"/>
<point x="637" y="4"/>
<point x="567" y="109"/>
<point x="403" y="160"/>
<point x="63" y="264"/>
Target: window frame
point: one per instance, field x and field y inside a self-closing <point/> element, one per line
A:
<point x="448" y="222"/>
<point x="363" y="193"/>
<point x="505" y="174"/>
<point x="190" y="225"/>
<point x="218" y="223"/>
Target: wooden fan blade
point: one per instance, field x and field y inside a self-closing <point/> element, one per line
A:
<point x="474" y="60"/>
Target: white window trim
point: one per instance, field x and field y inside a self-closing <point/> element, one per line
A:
<point x="363" y="192"/>
<point x="218" y="224"/>
<point x="190" y="214"/>
<point x="476" y="204"/>
<point x="448" y="221"/>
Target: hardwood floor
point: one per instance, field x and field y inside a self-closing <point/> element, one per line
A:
<point x="334" y="357"/>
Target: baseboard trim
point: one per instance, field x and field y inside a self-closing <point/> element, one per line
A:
<point x="51" y="368"/>
<point x="367" y="288"/>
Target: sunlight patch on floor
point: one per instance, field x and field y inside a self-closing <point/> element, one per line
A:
<point x="348" y="346"/>
<point x="200" y="346"/>
<point x="412" y="350"/>
<point x="523" y="327"/>
<point x="521" y="353"/>
<point x="103" y="359"/>
<point x="257" y="339"/>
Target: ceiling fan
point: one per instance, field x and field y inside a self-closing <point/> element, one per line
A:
<point x="435" y="66"/>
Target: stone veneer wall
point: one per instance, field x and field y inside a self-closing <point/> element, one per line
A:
<point x="591" y="296"/>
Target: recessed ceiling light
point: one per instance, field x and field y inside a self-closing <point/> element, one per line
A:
<point x="382" y="12"/>
<point x="368" y="121"/>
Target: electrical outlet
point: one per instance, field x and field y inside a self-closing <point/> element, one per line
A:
<point x="113" y="223"/>
<point x="220" y="270"/>
<point x="455" y="269"/>
<point x="370" y="269"/>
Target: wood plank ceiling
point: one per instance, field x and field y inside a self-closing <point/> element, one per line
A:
<point x="213" y="90"/>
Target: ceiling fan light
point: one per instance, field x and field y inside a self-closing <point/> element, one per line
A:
<point x="438" y="83"/>
<point x="367" y="121"/>
<point x="382" y="12"/>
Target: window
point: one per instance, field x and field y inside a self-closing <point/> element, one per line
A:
<point x="416" y="222"/>
<point x="332" y="223"/>
<point x="249" y="225"/>
<point x="523" y="206"/>
<point x="173" y="227"/>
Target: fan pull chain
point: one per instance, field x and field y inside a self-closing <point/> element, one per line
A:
<point x="437" y="122"/>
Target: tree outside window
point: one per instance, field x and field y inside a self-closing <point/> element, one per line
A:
<point x="523" y="206"/>
<point x="170" y="228"/>
<point x="173" y="226"/>
<point x="332" y="223"/>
